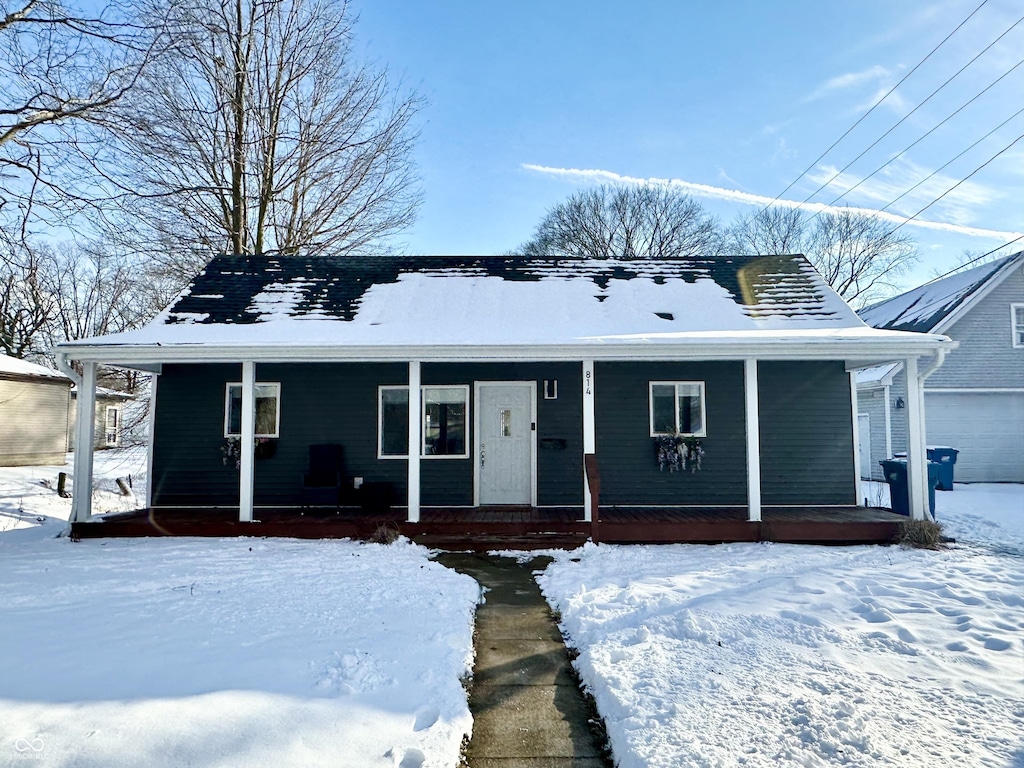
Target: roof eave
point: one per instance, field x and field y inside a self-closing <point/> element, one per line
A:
<point x="904" y="346"/>
<point x="977" y="296"/>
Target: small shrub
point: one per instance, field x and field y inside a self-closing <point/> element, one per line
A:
<point x="920" y="534"/>
<point x="385" y="533"/>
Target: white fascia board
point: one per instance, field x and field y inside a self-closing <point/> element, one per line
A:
<point x="951" y="319"/>
<point x="866" y="351"/>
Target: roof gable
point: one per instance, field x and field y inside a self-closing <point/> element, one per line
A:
<point x="933" y="306"/>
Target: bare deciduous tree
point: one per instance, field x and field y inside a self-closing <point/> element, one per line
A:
<point x="625" y="222"/>
<point x="859" y="256"/>
<point x="27" y="306"/>
<point x="258" y="132"/>
<point x="59" y="67"/>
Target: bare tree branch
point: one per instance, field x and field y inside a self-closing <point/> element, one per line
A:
<point x="259" y="132"/>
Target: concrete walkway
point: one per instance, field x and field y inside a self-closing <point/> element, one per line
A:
<point x="528" y="711"/>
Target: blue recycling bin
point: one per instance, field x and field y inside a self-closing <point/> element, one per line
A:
<point x="945" y="458"/>
<point x="895" y="471"/>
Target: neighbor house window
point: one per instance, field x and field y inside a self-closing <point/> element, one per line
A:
<point x="677" y="407"/>
<point x="1017" y="321"/>
<point x="112" y="431"/>
<point x="268" y="410"/>
<point x="444" y="417"/>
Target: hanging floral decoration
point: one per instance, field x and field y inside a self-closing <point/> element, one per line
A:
<point x="678" y="452"/>
<point x="232" y="450"/>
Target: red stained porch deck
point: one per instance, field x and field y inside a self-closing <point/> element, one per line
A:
<point x="489" y="528"/>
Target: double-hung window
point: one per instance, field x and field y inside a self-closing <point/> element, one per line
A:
<point x="1017" y="324"/>
<point x="444" y="419"/>
<point x="268" y="411"/>
<point x="677" y="408"/>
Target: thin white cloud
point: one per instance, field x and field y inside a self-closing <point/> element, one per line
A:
<point x="748" y="198"/>
<point x="848" y="80"/>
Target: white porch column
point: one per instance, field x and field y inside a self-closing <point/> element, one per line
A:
<point x="917" y="466"/>
<point x="858" y="497"/>
<point x="753" y="441"/>
<point x="589" y="431"/>
<point x="150" y="444"/>
<point x="415" y="440"/>
<point x="247" y="442"/>
<point x="85" y="427"/>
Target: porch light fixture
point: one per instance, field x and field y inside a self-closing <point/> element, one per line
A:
<point x="550" y="389"/>
<point x="899" y="404"/>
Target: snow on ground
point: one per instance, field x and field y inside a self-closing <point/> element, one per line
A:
<point x="28" y="495"/>
<point x="763" y="655"/>
<point x="223" y="652"/>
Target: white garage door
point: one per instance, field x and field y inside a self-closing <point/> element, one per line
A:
<point x="987" y="429"/>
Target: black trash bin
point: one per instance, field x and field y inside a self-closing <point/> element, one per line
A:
<point x="895" y="471"/>
<point x="945" y="457"/>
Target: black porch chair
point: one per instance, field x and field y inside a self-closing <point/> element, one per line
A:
<point x="322" y="484"/>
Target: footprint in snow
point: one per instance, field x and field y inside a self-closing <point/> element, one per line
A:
<point x="425" y="717"/>
<point x="996" y="644"/>
<point x="413" y="758"/>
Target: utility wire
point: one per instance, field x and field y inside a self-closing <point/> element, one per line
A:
<point x="875" y="105"/>
<point x="906" y="116"/>
<point x="902" y="152"/>
<point x="937" y="170"/>
<point x="975" y="259"/>
<point x="968" y="176"/>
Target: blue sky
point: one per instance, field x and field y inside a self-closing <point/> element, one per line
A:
<point x="733" y="99"/>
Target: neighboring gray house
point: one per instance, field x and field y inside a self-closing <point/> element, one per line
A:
<point x="33" y="413"/>
<point x="975" y="401"/>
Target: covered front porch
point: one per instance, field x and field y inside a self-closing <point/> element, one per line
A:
<point x="488" y="528"/>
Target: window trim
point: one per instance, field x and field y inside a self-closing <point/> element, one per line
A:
<point x="675" y="400"/>
<point x="227" y="408"/>
<point x="1017" y="329"/>
<point x="107" y="442"/>
<point x="423" y="422"/>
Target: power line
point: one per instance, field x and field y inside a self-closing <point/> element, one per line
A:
<point x="876" y="104"/>
<point x="926" y="100"/>
<point x="975" y="259"/>
<point x="941" y="168"/>
<point x="902" y="152"/>
<point x="968" y="176"/>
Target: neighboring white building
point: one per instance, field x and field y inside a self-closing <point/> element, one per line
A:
<point x="975" y="401"/>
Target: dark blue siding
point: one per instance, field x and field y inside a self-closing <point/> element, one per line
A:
<point x="806" y="433"/>
<point x="626" y="453"/>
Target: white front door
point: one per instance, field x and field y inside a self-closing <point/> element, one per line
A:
<point x="504" y="442"/>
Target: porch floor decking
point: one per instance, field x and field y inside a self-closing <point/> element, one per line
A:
<point x="487" y="528"/>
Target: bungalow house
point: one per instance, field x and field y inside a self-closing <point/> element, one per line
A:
<point x="33" y="413"/>
<point x="975" y="401"/>
<point x="492" y="383"/>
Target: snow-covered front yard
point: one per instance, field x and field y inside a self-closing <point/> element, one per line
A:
<point x="250" y="652"/>
<point x="764" y="655"/>
<point x="224" y="652"/>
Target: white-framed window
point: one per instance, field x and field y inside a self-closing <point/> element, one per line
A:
<point x="112" y="426"/>
<point x="444" y="419"/>
<point x="677" y="407"/>
<point x="268" y="409"/>
<point x="1017" y="324"/>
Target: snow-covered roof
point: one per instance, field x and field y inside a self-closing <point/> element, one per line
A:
<point x="877" y="375"/>
<point x="373" y="304"/>
<point x="924" y="308"/>
<point x="23" y="368"/>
